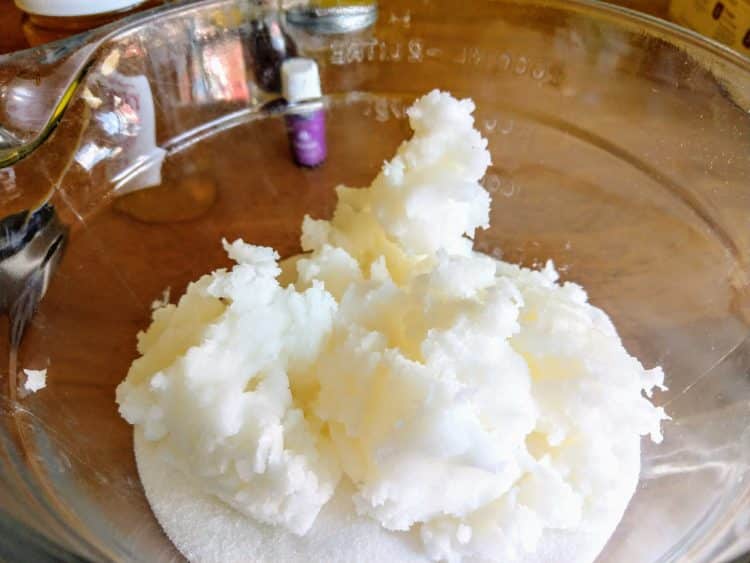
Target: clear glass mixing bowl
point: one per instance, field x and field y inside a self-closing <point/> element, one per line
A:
<point x="621" y="150"/>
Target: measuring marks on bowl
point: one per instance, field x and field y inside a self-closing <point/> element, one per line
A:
<point x="355" y="51"/>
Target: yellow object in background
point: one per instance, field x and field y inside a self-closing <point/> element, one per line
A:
<point x="727" y="21"/>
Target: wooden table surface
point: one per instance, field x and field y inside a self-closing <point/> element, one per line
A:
<point x="11" y="36"/>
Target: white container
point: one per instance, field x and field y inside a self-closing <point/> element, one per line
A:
<point x="49" y="20"/>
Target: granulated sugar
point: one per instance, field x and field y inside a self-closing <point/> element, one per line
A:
<point x="206" y="530"/>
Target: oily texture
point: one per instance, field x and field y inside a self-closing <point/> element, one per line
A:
<point x="481" y="407"/>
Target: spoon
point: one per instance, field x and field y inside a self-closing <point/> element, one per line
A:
<point x="31" y="245"/>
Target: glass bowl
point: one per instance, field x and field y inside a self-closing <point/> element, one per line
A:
<point x="620" y="149"/>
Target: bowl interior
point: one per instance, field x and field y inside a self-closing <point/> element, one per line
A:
<point x="615" y="154"/>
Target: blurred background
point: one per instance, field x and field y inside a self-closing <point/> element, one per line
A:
<point x="707" y="16"/>
<point x="727" y="21"/>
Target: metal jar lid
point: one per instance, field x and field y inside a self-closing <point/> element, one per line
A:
<point x="332" y="19"/>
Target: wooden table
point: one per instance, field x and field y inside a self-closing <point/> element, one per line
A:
<point x="11" y="36"/>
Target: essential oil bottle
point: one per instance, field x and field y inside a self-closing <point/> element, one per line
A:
<point x="306" y="126"/>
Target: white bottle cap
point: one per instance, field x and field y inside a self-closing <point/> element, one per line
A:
<point x="300" y="80"/>
<point x="70" y="8"/>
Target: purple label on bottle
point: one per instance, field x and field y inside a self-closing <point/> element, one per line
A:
<point x="307" y="137"/>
